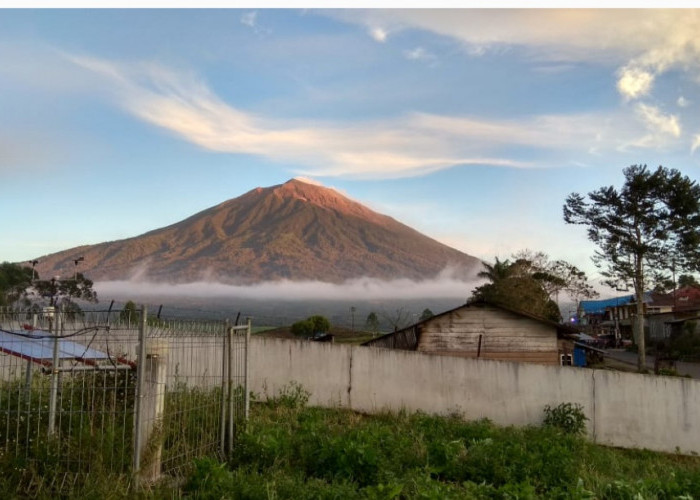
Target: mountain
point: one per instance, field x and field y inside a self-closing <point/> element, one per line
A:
<point x="296" y="231"/>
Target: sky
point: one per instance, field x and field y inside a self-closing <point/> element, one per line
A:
<point x="469" y="125"/>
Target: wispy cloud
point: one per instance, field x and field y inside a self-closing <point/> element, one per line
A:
<point x="419" y="54"/>
<point x="249" y="19"/>
<point x="695" y="144"/>
<point x="659" y="122"/>
<point x="408" y="145"/>
<point x="660" y="126"/>
<point x="643" y="43"/>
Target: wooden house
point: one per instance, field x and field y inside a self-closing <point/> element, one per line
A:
<point x="483" y="330"/>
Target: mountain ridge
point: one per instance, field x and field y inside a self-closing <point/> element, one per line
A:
<point x="296" y="231"/>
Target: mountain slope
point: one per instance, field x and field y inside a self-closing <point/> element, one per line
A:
<point x="296" y="231"/>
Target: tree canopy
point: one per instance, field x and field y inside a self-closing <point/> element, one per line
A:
<point x="21" y="283"/>
<point x="66" y="291"/>
<point x="372" y="322"/>
<point x="687" y="280"/>
<point x="647" y="228"/>
<point x="311" y="326"/>
<point x="426" y="314"/>
<point x="531" y="282"/>
<point x="15" y="280"/>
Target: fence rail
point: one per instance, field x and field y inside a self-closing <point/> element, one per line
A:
<point x="98" y="391"/>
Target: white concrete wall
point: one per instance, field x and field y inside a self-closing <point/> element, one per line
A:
<point x="628" y="410"/>
<point x="321" y="367"/>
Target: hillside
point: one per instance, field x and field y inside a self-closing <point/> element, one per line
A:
<point x="296" y="231"/>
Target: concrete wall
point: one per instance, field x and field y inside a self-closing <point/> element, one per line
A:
<point x="628" y="410"/>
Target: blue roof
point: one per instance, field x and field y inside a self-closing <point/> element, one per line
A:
<point x="599" y="306"/>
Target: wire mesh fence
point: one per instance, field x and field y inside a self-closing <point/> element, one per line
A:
<point x="99" y="392"/>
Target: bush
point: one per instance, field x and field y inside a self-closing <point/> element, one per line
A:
<point x="310" y="326"/>
<point x="567" y="416"/>
<point x="292" y="395"/>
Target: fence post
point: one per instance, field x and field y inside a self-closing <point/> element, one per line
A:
<point x="152" y="409"/>
<point x="150" y="404"/>
<point x="53" y="395"/>
<point x="246" y="385"/>
<point x="140" y="367"/>
<point x="224" y="387"/>
<point x="229" y="389"/>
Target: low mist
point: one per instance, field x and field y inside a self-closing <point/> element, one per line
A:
<point x="365" y="288"/>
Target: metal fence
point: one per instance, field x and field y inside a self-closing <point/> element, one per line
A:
<point x="100" y="392"/>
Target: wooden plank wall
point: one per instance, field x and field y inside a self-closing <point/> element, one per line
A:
<point x="504" y="336"/>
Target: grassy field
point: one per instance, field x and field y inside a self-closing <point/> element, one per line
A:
<point x="290" y="451"/>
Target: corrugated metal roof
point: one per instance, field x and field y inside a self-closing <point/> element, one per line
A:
<point x="599" y="306"/>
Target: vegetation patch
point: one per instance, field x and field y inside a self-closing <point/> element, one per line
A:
<point x="292" y="451"/>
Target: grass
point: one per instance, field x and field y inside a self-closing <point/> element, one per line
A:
<point x="290" y="451"/>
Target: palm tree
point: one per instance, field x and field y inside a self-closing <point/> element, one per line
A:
<point x="500" y="270"/>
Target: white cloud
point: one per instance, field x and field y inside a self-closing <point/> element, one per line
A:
<point x="696" y="143"/>
<point x="249" y="19"/>
<point x="378" y="34"/>
<point x="682" y="102"/>
<point x="419" y="54"/>
<point x="445" y="285"/>
<point x="634" y="82"/>
<point x="643" y="43"/>
<point x="657" y="122"/>
<point x="408" y="145"/>
<point x="308" y="180"/>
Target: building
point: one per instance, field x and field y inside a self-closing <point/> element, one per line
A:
<point x="483" y="330"/>
<point x="616" y="315"/>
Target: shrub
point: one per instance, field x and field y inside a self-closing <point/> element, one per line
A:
<point x="566" y="416"/>
<point x="310" y="326"/>
<point x="292" y="395"/>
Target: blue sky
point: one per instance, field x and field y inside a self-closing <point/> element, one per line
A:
<point x="469" y="125"/>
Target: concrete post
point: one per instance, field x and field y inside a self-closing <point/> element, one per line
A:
<point x="151" y="410"/>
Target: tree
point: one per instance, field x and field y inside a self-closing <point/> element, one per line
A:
<point x="311" y="326"/>
<point x="426" y="314"/>
<point x="531" y="282"/>
<point x="130" y="314"/>
<point x="372" y="322"/>
<point x="555" y="276"/>
<point x="687" y="280"/>
<point x="67" y="291"/>
<point x="496" y="272"/>
<point x="397" y="319"/>
<point x="647" y="228"/>
<point x="522" y="293"/>
<point x="15" y="280"/>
